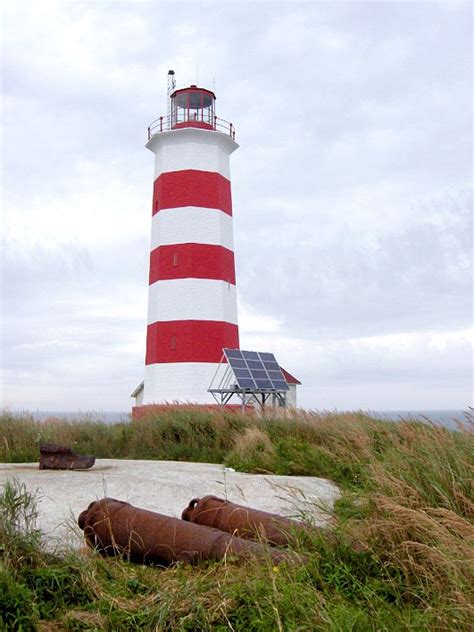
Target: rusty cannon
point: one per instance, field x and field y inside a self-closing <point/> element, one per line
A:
<point x="113" y="527"/>
<point x="244" y="522"/>
<point x="58" y="457"/>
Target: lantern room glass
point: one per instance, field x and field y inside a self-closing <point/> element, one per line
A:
<point x="192" y="107"/>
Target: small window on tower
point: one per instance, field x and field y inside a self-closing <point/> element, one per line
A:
<point x="175" y="259"/>
<point x="173" y="342"/>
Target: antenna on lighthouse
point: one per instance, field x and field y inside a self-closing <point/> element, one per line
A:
<point x="171" y="89"/>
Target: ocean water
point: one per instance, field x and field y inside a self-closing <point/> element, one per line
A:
<point x="107" y="416"/>
<point x="447" y="418"/>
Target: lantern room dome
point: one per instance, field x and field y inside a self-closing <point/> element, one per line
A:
<point x="193" y="107"/>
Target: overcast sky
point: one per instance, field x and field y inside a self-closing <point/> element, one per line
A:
<point x="351" y="192"/>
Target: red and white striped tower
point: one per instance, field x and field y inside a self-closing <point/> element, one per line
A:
<point x="192" y="305"/>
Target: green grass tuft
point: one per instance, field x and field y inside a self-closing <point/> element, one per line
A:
<point x="400" y="555"/>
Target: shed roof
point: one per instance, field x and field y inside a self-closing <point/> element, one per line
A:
<point x="138" y="389"/>
<point x="291" y="379"/>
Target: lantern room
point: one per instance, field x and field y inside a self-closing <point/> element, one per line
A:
<point x="192" y="107"/>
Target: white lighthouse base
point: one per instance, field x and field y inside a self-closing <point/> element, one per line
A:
<point x="180" y="382"/>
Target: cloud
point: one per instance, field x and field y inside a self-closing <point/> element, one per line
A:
<point x="73" y="333"/>
<point x="376" y="372"/>
<point x="335" y="280"/>
<point x="351" y="191"/>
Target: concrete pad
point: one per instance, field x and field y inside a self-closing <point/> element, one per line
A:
<point x="162" y="486"/>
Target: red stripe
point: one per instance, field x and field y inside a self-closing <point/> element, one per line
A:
<point x="189" y="340"/>
<point x="192" y="261"/>
<point x="192" y="188"/>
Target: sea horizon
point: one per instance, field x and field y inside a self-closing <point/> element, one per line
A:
<point x="444" y="417"/>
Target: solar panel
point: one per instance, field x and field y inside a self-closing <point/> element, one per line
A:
<point x="256" y="365"/>
<point x="256" y="371"/>
<point x="246" y="383"/>
<point x="280" y="385"/>
<point x="274" y="375"/>
<point x="271" y="366"/>
<point x="238" y="364"/>
<point x="264" y="385"/>
<point x="233" y="353"/>
<point x="250" y="355"/>
<point x="242" y="373"/>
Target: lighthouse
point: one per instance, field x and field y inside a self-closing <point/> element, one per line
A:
<point x="192" y="303"/>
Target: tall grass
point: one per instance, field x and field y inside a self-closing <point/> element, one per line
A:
<point x="401" y="555"/>
<point x="186" y="434"/>
<point x="19" y="537"/>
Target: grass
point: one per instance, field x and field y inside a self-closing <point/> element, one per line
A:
<point x="402" y="557"/>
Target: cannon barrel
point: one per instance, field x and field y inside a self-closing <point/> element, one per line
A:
<point x="244" y="522"/>
<point x="114" y="527"/>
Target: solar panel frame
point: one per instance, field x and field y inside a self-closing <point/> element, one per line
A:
<point x="256" y="370"/>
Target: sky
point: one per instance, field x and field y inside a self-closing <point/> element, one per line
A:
<point x="351" y="193"/>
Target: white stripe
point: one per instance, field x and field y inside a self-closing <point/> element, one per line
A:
<point x="192" y="149"/>
<point x="179" y="382"/>
<point x="192" y="299"/>
<point x="191" y="224"/>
